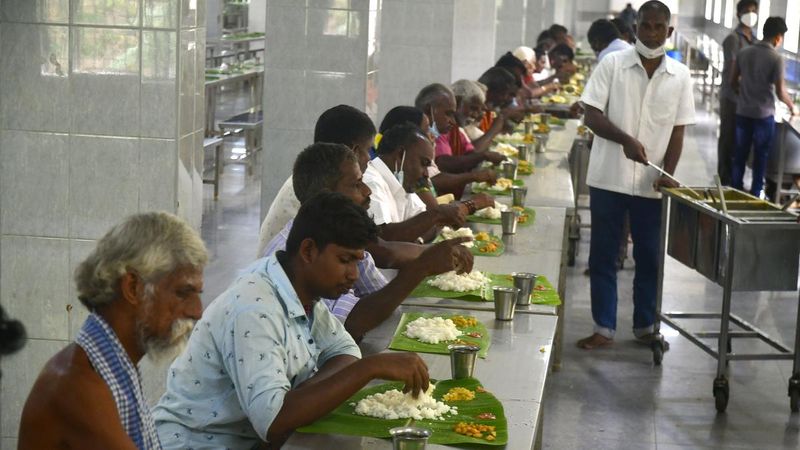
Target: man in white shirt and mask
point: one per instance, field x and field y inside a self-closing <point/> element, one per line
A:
<point x="404" y="155"/>
<point x="637" y="103"/>
<point x="738" y="39"/>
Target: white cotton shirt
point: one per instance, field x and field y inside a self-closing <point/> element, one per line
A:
<point x="389" y="202"/>
<point x="284" y="208"/>
<point x="646" y="109"/>
<point x="615" y="46"/>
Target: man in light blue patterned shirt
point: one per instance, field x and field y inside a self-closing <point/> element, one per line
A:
<point x="333" y="167"/>
<point x="266" y="348"/>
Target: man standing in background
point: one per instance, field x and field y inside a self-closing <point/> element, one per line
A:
<point x="758" y="78"/>
<point x="740" y="37"/>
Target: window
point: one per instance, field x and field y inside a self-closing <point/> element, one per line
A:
<point x="730" y="13"/>
<point x="763" y="14"/>
<point x="717" y="11"/>
<point x="709" y="9"/>
<point x="793" y="23"/>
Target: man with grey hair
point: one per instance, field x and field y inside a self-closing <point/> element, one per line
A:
<point x="438" y="102"/>
<point x="142" y="285"/>
<point x="470" y="106"/>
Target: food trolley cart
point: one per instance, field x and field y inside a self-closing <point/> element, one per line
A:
<point x="741" y="243"/>
<point x="578" y="167"/>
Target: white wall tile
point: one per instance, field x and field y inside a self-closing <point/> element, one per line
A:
<point x="285" y="31"/>
<point x="185" y="182"/>
<point x="19" y="373"/>
<point x="105" y="81"/>
<point x="34" y="184"/>
<point x="104" y="183"/>
<point x="159" y="84"/>
<point x="197" y="179"/>
<point x="281" y="148"/>
<point x="331" y="89"/>
<point x="186" y="69"/>
<point x="35" y="274"/>
<point x="199" y="80"/>
<point x="473" y="38"/>
<point x="158" y="160"/>
<point x="284" y="97"/>
<point x="76" y="312"/>
<point x="34" y="73"/>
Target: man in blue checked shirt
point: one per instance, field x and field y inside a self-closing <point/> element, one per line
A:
<point x="267" y="349"/>
<point x="334" y="167"/>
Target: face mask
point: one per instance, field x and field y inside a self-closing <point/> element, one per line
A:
<point x="432" y="129"/>
<point x="647" y="52"/>
<point x="749" y="20"/>
<point x="398" y="173"/>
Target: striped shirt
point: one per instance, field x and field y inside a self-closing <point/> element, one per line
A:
<point x="370" y="279"/>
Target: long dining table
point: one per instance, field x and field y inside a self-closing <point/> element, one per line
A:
<point x="522" y="351"/>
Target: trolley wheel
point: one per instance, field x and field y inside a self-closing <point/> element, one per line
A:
<point x="794" y="393"/>
<point x="721" y="394"/>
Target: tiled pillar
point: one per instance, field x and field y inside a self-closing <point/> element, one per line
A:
<point x="474" y="24"/>
<point x="510" y="26"/>
<point x="535" y="21"/>
<point x="416" y="42"/>
<point x="101" y="116"/>
<point x="321" y="53"/>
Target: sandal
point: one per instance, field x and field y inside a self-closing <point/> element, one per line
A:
<point x="595" y="341"/>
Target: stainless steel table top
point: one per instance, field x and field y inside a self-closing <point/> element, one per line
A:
<point x="561" y="139"/>
<point x="523" y="345"/>
<point x="551" y="182"/>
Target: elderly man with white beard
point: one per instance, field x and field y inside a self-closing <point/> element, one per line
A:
<point x="142" y="284"/>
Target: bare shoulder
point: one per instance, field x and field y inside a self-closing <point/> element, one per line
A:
<point x="72" y="402"/>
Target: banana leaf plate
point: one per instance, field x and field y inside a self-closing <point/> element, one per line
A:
<point x="477" y="295"/>
<point x="344" y="420"/>
<point x="529" y="213"/>
<point x="479" y="248"/>
<point x="543" y="292"/>
<point x="402" y="342"/>
<point x="488" y="190"/>
<point x="524" y="169"/>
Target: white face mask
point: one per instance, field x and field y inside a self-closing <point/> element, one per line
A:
<point x="432" y="129"/>
<point x="647" y="52"/>
<point x="749" y="20"/>
<point x="398" y="173"/>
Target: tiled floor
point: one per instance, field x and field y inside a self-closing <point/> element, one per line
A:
<point x="612" y="398"/>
